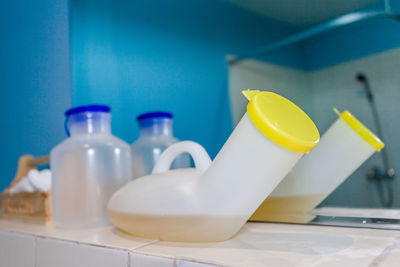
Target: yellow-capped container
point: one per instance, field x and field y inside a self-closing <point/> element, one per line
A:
<point x="361" y="129"/>
<point x="214" y="200"/>
<point x="266" y="144"/>
<point x="282" y="121"/>
<point x="342" y="149"/>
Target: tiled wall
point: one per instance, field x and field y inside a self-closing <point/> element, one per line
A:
<point x="17" y="250"/>
<point x="319" y="91"/>
<point x="337" y="86"/>
<point x="252" y="74"/>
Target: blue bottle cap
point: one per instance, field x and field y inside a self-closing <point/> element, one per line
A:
<point x="89" y="108"/>
<point x="154" y="115"/>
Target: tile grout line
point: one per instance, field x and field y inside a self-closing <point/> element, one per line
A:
<point x="154" y="255"/>
<point x="133" y="250"/>
<point x="35" y="251"/>
<point x="80" y="243"/>
<point x="201" y="261"/>
<point x="385" y="252"/>
<point x="144" y="245"/>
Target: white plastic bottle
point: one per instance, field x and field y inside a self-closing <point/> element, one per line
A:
<point x="87" y="168"/>
<point x="156" y="135"/>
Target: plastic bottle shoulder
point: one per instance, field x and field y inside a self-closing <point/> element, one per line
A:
<point x="154" y="141"/>
<point x="90" y="141"/>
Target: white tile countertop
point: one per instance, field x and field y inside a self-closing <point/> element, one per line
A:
<point x="257" y="244"/>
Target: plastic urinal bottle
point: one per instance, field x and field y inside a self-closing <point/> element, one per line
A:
<point x="87" y="168"/>
<point x="156" y="134"/>
<point x="342" y="149"/>
<point x="212" y="201"/>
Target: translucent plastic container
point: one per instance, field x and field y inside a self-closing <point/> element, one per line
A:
<point x="214" y="200"/>
<point x="342" y="149"/>
<point x="87" y="168"/>
<point x="156" y="134"/>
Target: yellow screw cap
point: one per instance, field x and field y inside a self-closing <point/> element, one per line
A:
<point x="361" y="130"/>
<point x="281" y="121"/>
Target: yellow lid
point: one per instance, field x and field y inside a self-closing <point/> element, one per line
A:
<point x="360" y="128"/>
<point x="281" y="121"/>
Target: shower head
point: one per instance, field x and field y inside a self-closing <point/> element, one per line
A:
<point x="362" y="78"/>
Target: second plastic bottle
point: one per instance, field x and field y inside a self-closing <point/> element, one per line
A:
<point x="156" y="135"/>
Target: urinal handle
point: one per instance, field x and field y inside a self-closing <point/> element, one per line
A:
<point x="200" y="156"/>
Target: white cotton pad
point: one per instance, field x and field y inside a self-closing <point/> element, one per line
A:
<point x="41" y="180"/>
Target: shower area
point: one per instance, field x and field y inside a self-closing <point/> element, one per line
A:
<point x="350" y="62"/>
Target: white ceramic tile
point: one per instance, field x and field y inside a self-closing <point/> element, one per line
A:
<point x="51" y="253"/>
<point x="45" y="229"/>
<point x="26" y="226"/>
<point x="284" y="245"/>
<point x="104" y="236"/>
<point x="257" y="244"/>
<point x="183" y="263"/>
<point x="112" y="237"/>
<point x="142" y="260"/>
<point x="16" y="250"/>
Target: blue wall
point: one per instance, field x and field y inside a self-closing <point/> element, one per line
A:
<point x="34" y="79"/>
<point x="138" y="56"/>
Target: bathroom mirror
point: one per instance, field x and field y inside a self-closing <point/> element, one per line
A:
<point x="353" y="67"/>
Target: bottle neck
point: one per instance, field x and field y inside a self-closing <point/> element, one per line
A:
<point x="156" y="127"/>
<point x="89" y="123"/>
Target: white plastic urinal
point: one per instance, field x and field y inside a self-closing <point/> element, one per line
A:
<point x="212" y="201"/>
